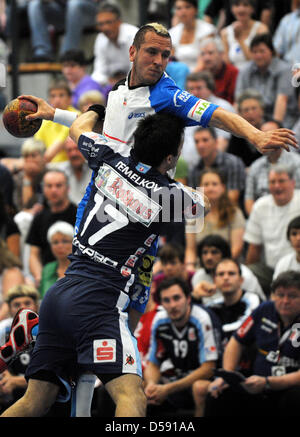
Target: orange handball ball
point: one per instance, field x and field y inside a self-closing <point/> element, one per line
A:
<point x="14" y="118"/>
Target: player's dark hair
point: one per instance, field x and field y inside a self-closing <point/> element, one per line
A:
<point x="217" y="241"/>
<point x="287" y="279"/>
<point x="156" y="137"/>
<point x="211" y="130"/>
<point x="224" y="260"/>
<point x="159" y="29"/>
<point x="167" y="283"/>
<point x="170" y="251"/>
<point x="263" y="38"/>
<point x="293" y="224"/>
<point x="109" y="7"/>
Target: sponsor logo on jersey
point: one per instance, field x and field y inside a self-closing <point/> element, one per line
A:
<point x="198" y="109"/>
<point x="104" y="351"/>
<point x="142" y="168"/>
<point x="93" y="254"/>
<point x="191" y="334"/>
<point x="131" y="261"/>
<point x="145" y="270"/>
<point x="129" y="360"/>
<point x="125" y="271"/>
<point x="150" y="240"/>
<point x="242" y="331"/>
<point x="136" y="203"/>
<point x="136" y="115"/>
<point x="181" y="97"/>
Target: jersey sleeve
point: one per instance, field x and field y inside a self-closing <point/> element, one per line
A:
<point x="246" y="332"/>
<point x="94" y="147"/>
<point x="166" y="96"/>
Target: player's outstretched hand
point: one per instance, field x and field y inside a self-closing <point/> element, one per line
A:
<point x="272" y="140"/>
<point x="45" y="111"/>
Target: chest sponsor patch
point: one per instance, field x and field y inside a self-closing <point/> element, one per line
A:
<point x="135" y="202"/>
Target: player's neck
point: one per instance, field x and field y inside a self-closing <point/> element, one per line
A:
<point x="232" y="298"/>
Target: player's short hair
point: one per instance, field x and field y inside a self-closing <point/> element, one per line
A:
<point x="156" y="137"/>
<point x="159" y="29"/>
<point x="287" y="279"/>
<point x="170" y="251"/>
<point x="33" y="145"/>
<point x="293" y="224"/>
<point x="167" y="283"/>
<point x="217" y="241"/>
<point x="209" y="129"/>
<point x="109" y="7"/>
<point x="64" y="228"/>
<point x="205" y="76"/>
<point x="60" y="85"/>
<point x="225" y="260"/>
<point x="22" y="290"/>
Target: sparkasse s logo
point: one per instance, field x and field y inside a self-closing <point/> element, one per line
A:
<point x="105" y="351"/>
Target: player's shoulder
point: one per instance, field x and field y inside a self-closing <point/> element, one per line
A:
<point x="200" y="315"/>
<point x="119" y="84"/>
<point x="160" y="318"/>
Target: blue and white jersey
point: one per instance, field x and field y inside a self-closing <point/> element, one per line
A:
<point x="127" y="207"/>
<point x="187" y="348"/>
<point x="127" y="105"/>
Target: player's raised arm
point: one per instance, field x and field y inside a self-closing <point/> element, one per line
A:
<point x="263" y="141"/>
<point x="87" y="122"/>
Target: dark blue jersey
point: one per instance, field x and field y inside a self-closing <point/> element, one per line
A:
<point x="126" y="208"/>
<point x="278" y="350"/>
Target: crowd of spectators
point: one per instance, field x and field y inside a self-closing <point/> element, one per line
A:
<point x="241" y="55"/>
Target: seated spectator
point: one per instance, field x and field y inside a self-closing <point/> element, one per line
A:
<point x="28" y="180"/>
<point x="188" y="33"/>
<point x="273" y="388"/>
<point x="211" y="250"/>
<point x="72" y="16"/>
<point x="287" y="39"/>
<point x="171" y="259"/>
<point x="77" y="170"/>
<point x="90" y="98"/>
<point x="202" y="85"/>
<point x="55" y="188"/>
<point x="257" y="184"/>
<point x="291" y="261"/>
<point x="9" y="231"/>
<point x="52" y="134"/>
<point x="232" y="308"/>
<point x="270" y="76"/>
<point x="182" y="333"/>
<point x="112" y="43"/>
<point x="13" y="382"/>
<point x="224" y="218"/>
<point x="74" y="71"/>
<point x="211" y="58"/>
<point x="250" y="106"/>
<point x="267" y="224"/>
<point x="209" y="156"/>
<point x="239" y="34"/>
<point x="10" y="275"/>
<point x="59" y="236"/>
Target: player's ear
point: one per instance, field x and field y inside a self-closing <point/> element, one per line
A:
<point x="132" y="53"/>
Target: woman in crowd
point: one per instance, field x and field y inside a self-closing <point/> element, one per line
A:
<point x="188" y="33"/>
<point x="60" y="236"/>
<point x="224" y="218"/>
<point x="239" y="34"/>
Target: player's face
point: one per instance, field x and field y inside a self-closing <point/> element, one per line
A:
<point x="150" y="60"/>
<point x="59" y="98"/>
<point x="185" y="11"/>
<point x="176" y="304"/>
<point x="210" y="256"/>
<point x="173" y="268"/>
<point x="22" y="302"/>
<point x="213" y="187"/>
<point x="55" y="188"/>
<point x="198" y="89"/>
<point x="295" y="239"/>
<point x="227" y="277"/>
<point x="61" y="246"/>
<point x="287" y="302"/>
<point x="251" y="110"/>
<point x="108" y="24"/>
<point x="281" y="187"/>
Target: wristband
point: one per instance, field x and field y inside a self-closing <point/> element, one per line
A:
<point x="64" y="117"/>
<point x="268" y="387"/>
<point x="99" y="109"/>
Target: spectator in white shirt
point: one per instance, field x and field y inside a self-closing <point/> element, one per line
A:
<point x="291" y="261"/>
<point x="267" y="224"/>
<point x="112" y="43"/>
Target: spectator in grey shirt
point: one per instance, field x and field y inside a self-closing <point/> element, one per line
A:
<point x="257" y="183"/>
<point x="270" y="76"/>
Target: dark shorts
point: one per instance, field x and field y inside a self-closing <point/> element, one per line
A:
<point x="84" y="327"/>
